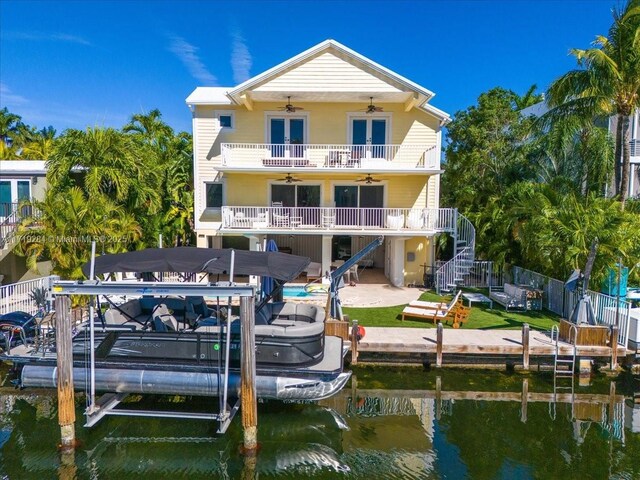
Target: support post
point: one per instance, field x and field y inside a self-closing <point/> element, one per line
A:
<point x="614" y="347"/>
<point x="438" y="397"/>
<point x="525" y="346"/>
<point x="439" y="329"/>
<point x="248" y="376"/>
<point x="612" y="401"/>
<point x="64" y="360"/>
<point x="354" y="343"/>
<point x="524" y="400"/>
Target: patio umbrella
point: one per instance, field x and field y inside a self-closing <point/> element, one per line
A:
<point x="267" y="284"/>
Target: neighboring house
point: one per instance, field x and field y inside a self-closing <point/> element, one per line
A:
<point x="541" y="108"/>
<point x="19" y="180"/>
<point x="322" y="153"/>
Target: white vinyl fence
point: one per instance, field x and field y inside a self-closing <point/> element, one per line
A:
<point x="561" y="302"/>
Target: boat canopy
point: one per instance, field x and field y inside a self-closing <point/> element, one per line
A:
<point x="280" y="266"/>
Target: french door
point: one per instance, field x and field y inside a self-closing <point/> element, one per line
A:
<point x="13" y="192"/>
<point x="369" y="136"/>
<point x="287" y="136"/>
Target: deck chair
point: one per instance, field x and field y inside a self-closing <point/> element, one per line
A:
<point x="163" y="321"/>
<point x="460" y="316"/>
<point x="440" y="306"/>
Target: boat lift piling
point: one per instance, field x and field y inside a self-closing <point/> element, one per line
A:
<point x="66" y="403"/>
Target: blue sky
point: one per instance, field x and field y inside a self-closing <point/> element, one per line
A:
<point x="74" y="64"/>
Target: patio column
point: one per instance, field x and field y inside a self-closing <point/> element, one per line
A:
<point x="326" y="255"/>
<point x="396" y="261"/>
<point x="256" y="244"/>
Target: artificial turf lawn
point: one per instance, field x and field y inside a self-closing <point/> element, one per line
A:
<point x="482" y="317"/>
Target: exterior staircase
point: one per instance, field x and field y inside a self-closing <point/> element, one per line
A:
<point x="8" y="228"/>
<point x="452" y="273"/>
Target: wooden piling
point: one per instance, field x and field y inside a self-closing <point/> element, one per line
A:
<point x="525" y="346"/>
<point x="354" y="342"/>
<point x="614" y="347"/>
<point x="612" y="401"/>
<point x="248" y="397"/>
<point x="439" y="329"/>
<point x="524" y="401"/>
<point x="438" y="397"/>
<point x="64" y="360"/>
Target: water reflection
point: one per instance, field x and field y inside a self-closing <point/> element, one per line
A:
<point x="361" y="433"/>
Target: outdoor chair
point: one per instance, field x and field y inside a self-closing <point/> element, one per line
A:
<point x="439" y="306"/>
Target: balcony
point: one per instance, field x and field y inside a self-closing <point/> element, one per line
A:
<point x="338" y="220"/>
<point x="634" y="148"/>
<point x="314" y="158"/>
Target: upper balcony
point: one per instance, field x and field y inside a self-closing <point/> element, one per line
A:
<point x="634" y="148"/>
<point x="404" y="158"/>
<point x="338" y="220"/>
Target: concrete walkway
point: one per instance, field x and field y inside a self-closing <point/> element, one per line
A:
<point x="377" y="295"/>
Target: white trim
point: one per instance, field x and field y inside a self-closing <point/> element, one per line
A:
<point x="269" y="114"/>
<point x="230" y="113"/>
<point x="13" y="188"/>
<point x="313" y="183"/>
<point x="388" y="116"/>
<point x="353" y="183"/>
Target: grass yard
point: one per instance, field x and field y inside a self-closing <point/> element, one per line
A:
<point x="482" y="317"/>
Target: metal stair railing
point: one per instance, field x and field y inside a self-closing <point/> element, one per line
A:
<point x="8" y="228"/>
<point x="450" y="274"/>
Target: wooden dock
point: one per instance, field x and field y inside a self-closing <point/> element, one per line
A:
<point x="470" y="346"/>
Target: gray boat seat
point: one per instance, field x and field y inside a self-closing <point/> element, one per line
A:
<point x="163" y="321"/>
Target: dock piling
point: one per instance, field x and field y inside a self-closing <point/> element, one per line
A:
<point x="64" y="360"/>
<point x="439" y="334"/>
<point x="614" y="347"/>
<point x="525" y="400"/>
<point x="248" y="397"/>
<point x="354" y="342"/>
<point x="525" y="346"/>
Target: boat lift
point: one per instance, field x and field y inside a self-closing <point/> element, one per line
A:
<point x="106" y="405"/>
<point x="337" y="282"/>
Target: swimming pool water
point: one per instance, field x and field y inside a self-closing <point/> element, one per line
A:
<point x="298" y="292"/>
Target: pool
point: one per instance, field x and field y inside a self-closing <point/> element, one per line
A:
<point x="298" y="291"/>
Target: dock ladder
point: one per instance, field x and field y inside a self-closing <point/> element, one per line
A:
<point x="563" y="366"/>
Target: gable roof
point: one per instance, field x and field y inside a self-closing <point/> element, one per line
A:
<point x="226" y="96"/>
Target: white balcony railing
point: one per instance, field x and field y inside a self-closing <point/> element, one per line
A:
<point x="634" y="148"/>
<point x="337" y="218"/>
<point x="366" y="157"/>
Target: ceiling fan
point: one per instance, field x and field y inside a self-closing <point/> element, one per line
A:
<point x="371" y="108"/>
<point x="290" y="108"/>
<point x="289" y="179"/>
<point x="368" y="179"/>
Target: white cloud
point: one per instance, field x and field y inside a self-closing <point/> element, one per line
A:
<point x="187" y="54"/>
<point x="9" y="99"/>
<point x="47" y="37"/>
<point x="241" y="60"/>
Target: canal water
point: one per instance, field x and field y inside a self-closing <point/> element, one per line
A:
<point x="395" y="423"/>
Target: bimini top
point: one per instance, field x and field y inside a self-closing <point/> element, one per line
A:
<point x="280" y="266"/>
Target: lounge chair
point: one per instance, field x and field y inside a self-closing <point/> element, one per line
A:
<point x="438" y="305"/>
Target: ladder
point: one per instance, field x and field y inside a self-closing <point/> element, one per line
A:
<point x="563" y="368"/>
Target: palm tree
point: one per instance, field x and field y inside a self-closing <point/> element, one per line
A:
<point x="41" y="146"/>
<point x="104" y="161"/>
<point x="608" y="83"/>
<point x="67" y="223"/>
<point x="529" y="98"/>
<point x="10" y="125"/>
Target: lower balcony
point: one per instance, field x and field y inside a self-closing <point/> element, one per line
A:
<point x="329" y="220"/>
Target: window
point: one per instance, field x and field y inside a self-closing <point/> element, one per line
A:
<point x="226" y="119"/>
<point x="214" y="195"/>
<point x="296" y="195"/>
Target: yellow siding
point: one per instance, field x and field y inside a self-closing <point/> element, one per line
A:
<point x="326" y="73"/>
<point x="327" y="123"/>
<point x="413" y="271"/>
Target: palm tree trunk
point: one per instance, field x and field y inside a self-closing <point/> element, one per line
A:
<point x="626" y="161"/>
<point x="618" y="154"/>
